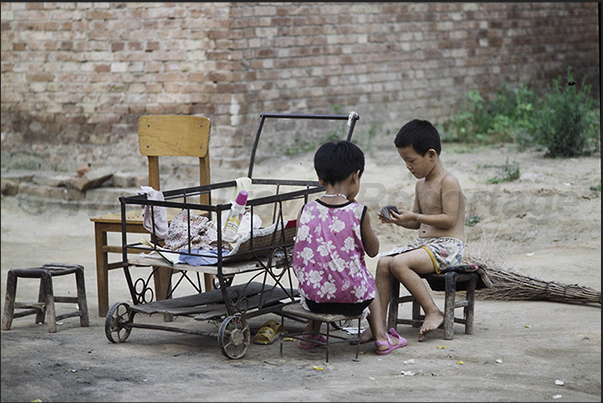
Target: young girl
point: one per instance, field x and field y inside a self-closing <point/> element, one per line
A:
<point x="334" y="232"/>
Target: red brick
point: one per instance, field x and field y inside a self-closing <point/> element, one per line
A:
<point x="117" y="46"/>
<point x="40" y="77"/>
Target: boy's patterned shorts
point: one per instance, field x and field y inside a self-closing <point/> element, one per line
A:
<point x="444" y="252"/>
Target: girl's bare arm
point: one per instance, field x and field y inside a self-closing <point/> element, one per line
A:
<point x="369" y="239"/>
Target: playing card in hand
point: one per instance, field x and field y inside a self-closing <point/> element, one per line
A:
<point x="386" y="209"/>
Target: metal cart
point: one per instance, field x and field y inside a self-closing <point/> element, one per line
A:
<point x="255" y="279"/>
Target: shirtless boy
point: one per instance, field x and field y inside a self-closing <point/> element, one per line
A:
<point x="439" y="216"/>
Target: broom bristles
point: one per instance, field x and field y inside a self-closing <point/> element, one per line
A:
<point x="510" y="285"/>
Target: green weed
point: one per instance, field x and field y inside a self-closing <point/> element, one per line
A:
<point x="566" y="121"/>
<point x="510" y="172"/>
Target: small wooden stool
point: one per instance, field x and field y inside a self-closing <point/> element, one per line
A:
<point x="46" y="297"/>
<point x="296" y="310"/>
<point x="449" y="282"/>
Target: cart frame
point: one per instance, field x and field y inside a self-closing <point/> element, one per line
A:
<point x="269" y="264"/>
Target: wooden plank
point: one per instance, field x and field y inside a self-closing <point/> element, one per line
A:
<point x="194" y="310"/>
<point x="196" y="300"/>
<point x="210" y="304"/>
<point x="27" y="305"/>
<point x="216" y="313"/>
<point x="156" y="135"/>
<point x="231" y="268"/>
<point x="297" y="310"/>
<point x="132" y="217"/>
<point x="265" y="299"/>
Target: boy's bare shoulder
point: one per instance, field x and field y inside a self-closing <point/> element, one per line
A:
<point x="450" y="183"/>
<point x="450" y="178"/>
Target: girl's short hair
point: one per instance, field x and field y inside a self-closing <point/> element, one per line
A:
<point x="336" y="161"/>
<point x="421" y="135"/>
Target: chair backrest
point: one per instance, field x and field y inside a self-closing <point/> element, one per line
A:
<point x="174" y="135"/>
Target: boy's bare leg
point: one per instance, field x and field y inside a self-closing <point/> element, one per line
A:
<point x="406" y="268"/>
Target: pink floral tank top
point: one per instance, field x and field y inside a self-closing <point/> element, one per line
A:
<point x="328" y="257"/>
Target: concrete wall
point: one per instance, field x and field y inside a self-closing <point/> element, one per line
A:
<point x="80" y="75"/>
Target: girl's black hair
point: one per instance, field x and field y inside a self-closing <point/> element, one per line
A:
<point x="336" y="161"/>
<point x="420" y="134"/>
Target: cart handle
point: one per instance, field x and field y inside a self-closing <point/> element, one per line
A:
<point x="351" y="118"/>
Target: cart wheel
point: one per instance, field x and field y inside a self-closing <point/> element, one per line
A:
<point x="117" y="322"/>
<point x="234" y="337"/>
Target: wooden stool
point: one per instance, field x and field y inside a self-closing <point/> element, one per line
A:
<point x="449" y="282"/>
<point x="296" y="310"/>
<point x="46" y="297"/>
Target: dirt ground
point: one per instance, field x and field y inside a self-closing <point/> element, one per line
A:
<point x="546" y="225"/>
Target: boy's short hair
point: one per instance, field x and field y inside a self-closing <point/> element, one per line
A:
<point x="421" y="135"/>
<point x="336" y="161"/>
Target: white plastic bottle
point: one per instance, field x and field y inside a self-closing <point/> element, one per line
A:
<point x="231" y="226"/>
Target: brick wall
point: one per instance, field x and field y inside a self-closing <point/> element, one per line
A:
<point x="81" y="74"/>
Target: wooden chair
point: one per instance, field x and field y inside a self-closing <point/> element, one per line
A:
<point x="158" y="135"/>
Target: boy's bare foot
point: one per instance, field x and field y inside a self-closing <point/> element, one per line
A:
<point x="430" y="323"/>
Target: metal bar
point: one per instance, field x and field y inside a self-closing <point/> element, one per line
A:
<point x="303" y="116"/>
<point x="172" y="329"/>
<point x="352" y="122"/>
<point x="263" y="117"/>
<point x="124" y="244"/>
<point x="255" y="145"/>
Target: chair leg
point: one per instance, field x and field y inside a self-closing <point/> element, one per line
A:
<point x="47" y="289"/>
<point x="449" y="305"/>
<point x="102" y="269"/>
<point x="392" y="315"/>
<point x="328" y="342"/>
<point x="358" y="342"/>
<point x="284" y="330"/>
<point x="470" y="309"/>
<point x="41" y="314"/>
<point x="81" y="297"/>
<point x="9" y="302"/>
<point x="416" y="313"/>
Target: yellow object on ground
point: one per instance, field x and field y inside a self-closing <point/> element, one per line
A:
<point x="268" y="333"/>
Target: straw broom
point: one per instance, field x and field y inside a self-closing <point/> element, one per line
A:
<point x="510" y="285"/>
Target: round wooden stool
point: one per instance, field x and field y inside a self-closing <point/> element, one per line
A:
<point x="46" y="298"/>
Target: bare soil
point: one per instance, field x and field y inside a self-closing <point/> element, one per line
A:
<point x="546" y="225"/>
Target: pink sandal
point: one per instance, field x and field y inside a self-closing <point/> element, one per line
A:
<point x="318" y="337"/>
<point x="401" y="343"/>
